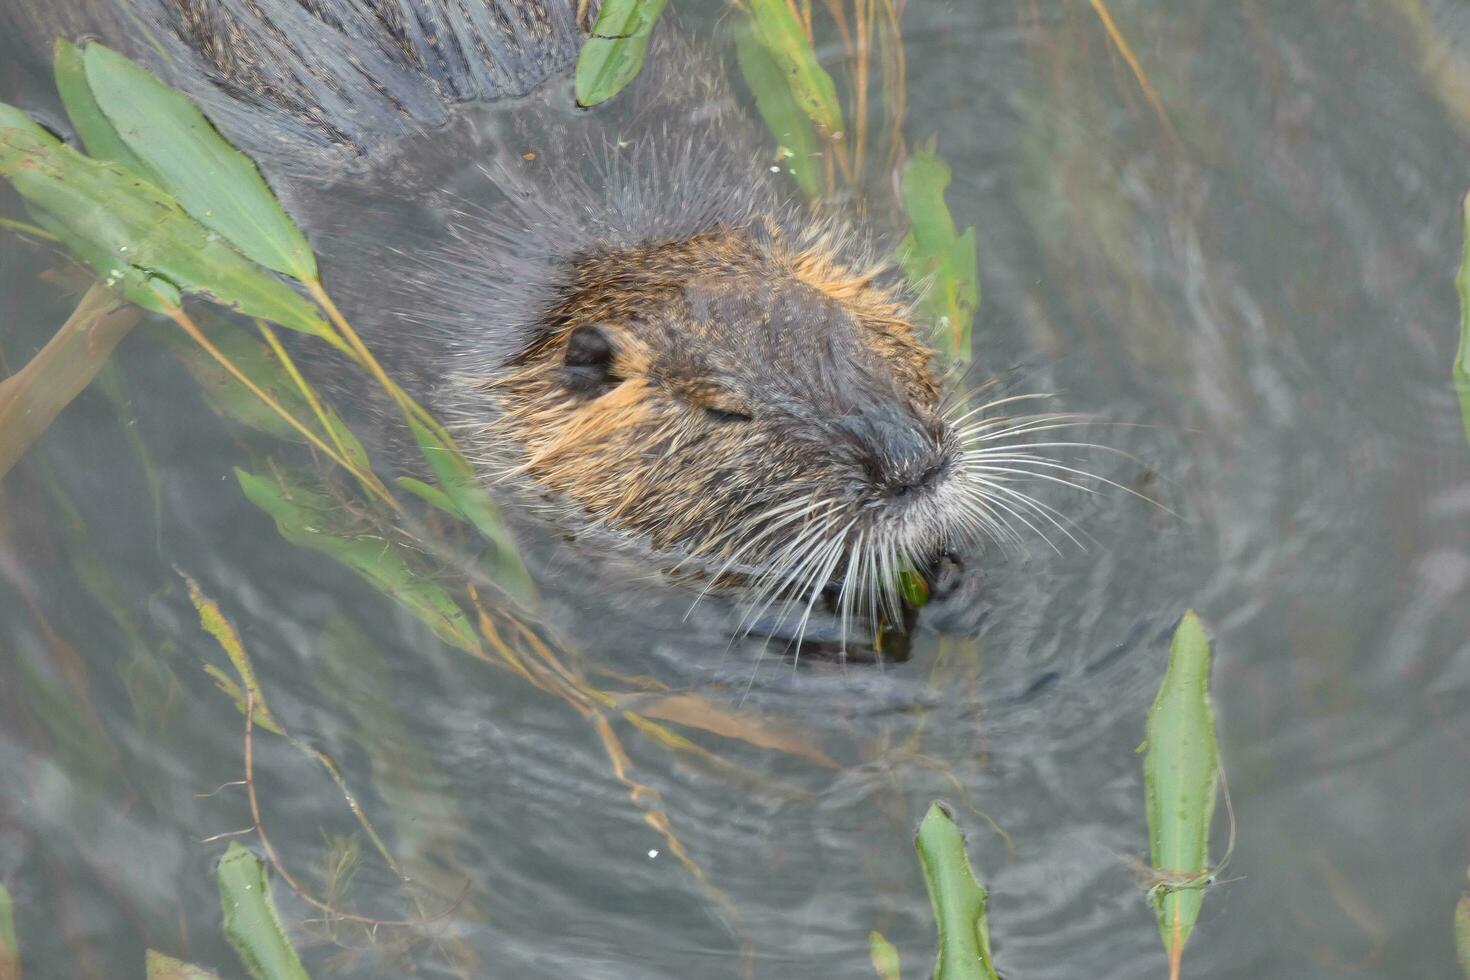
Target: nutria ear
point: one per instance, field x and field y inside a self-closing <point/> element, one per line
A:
<point x="588" y="363"/>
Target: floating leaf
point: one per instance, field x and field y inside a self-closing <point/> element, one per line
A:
<point x="884" y="955"/>
<point x="1461" y="369"/>
<point x="314" y="521"/>
<point x="98" y="135"/>
<point x="212" y="180"/>
<point x="958" y="900"/>
<point x="778" y="108"/>
<point x="134" y="236"/>
<point x="9" y="948"/>
<point x="162" y="967"/>
<point x="250" y="920"/>
<point x="1181" y="772"/>
<point x="937" y="256"/>
<point x="472" y="502"/>
<point x="612" y="55"/>
<point x="780" y="32"/>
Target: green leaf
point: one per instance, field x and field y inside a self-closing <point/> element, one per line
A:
<point x="1461" y="370"/>
<point x="226" y="395"/>
<point x="98" y="135"/>
<point x="1181" y="772"/>
<point x="472" y="502"/>
<point x="432" y="495"/>
<point x="913" y="588"/>
<point x="780" y="33"/>
<point x="936" y="256"/>
<point x="1462" y="933"/>
<point x="776" y="105"/>
<point x="212" y="180"/>
<point x="958" y="900"/>
<point x="9" y="948"/>
<point x="134" y="236"/>
<point x="612" y="55"/>
<point x="162" y="967"/>
<point x="884" y="955"/>
<point x="250" y="920"/>
<point x="315" y="521"/>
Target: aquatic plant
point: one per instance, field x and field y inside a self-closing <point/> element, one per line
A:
<point x="1181" y="773"/>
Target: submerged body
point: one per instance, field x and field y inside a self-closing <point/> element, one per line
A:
<point x="618" y="306"/>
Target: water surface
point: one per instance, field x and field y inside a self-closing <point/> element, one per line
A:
<point x="1253" y="271"/>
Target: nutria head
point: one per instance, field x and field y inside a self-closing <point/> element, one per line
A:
<point x="746" y="406"/>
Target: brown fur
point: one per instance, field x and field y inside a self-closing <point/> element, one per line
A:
<point x="643" y="456"/>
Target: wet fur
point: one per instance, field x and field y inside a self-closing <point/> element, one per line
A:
<point x="772" y="399"/>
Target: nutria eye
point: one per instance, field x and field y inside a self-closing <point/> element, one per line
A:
<point x="720" y="415"/>
<point x="588" y="363"/>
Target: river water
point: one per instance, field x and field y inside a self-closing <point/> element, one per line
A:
<point x="1242" y="252"/>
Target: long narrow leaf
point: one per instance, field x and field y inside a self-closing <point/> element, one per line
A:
<point x="314" y="521"/>
<point x="1181" y="773"/>
<point x="97" y="133"/>
<point x="780" y="33"/>
<point x="613" y="55"/>
<point x="137" y="238"/>
<point x="777" y="107"/>
<point x="250" y="920"/>
<point x="212" y="180"/>
<point x="958" y="900"/>
<point x="936" y="256"/>
<point x="472" y="501"/>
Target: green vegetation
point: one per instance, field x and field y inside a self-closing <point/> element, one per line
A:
<point x="250" y="919"/>
<point x="937" y="255"/>
<point x="613" y="55"/>
<point x="958" y="900"/>
<point x="1181" y="773"/>
<point x="162" y="208"/>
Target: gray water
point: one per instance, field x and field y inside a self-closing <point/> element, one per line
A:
<point x="1258" y="283"/>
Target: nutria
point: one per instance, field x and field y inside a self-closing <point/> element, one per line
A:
<point x="629" y="313"/>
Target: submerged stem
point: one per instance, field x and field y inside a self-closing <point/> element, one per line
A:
<point x="370" y="483"/>
<point x="31" y="398"/>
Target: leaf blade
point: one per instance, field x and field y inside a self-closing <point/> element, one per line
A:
<point x="251" y="922"/>
<point x="612" y="55"/>
<point x="780" y="33"/>
<point x="97" y="133"/>
<point x="214" y="182"/>
<point x="958" y="898"/>
<point x="1181" y="774"/>
<point x="136" y="237"/>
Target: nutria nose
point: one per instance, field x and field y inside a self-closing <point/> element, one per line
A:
<point x="907" y="485"/>
<point x="899" y="455"/>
